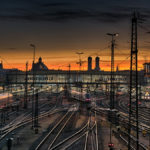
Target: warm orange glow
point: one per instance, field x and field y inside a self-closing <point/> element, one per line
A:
<point x="103" y="66"/>
<point x="60" y="60"/>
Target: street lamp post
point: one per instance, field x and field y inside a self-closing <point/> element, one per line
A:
<point x="112" y="70"/>
<point x="33" y="71"/>
<point x="33" y="46"/>
<point x="112" y="80"/>
<point x="80" y="64"/>
<point x="26" y="88"/>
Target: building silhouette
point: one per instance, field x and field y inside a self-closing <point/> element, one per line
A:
<point x="146" y="67"/>
<point x="90" y="63"/>
<point x="1" y="65"/>
<point x="97" y="68"/>
<point x="39" y="66"/>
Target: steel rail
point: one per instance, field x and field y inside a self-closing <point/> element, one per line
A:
<point x="49" y="147"/>
<point x="70" y="137"/>
<point x="24" y="123"/>
<point x="49" y="133"/>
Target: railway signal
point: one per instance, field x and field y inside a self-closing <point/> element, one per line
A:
<point x="117" y="119"/>
<point x="111" y="146"/>
<point x="144" y="132"/>
<point x="9" y="143"/>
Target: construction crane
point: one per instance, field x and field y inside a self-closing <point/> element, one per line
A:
<point x="80" y="62"/>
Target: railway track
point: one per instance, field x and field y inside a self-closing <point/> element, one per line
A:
<point x="124" y="137"/>
<point x="87" y="132"/>
<point x="123" y="121"/>
<point x="19" y="116"/>
<point x="25" y="118"/>
<point x="66" y="143"/>
<point x="25" y="122"/>
<point x="91" y="140"/>
<point x="20" y="119"/>
<point x="50" y="139"/>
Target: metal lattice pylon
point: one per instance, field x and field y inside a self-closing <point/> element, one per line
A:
<point x="133" y="110"/>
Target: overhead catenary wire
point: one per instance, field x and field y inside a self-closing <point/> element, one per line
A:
<point x="144" y="28"/>
<point x="124" y="60"/>
<point x="6" y="62"/>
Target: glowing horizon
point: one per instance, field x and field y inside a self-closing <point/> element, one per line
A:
<point x="59" y="32"/>
<point x="105" y="66"/>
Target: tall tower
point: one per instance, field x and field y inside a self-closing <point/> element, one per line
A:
<point x="133" y="83"/>
<point x="97" y="68"/>
<point x="1" y="65"/>
<point x="90" y="63"/>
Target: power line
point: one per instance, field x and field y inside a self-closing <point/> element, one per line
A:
<point x="36" y="58"/>
<point x="144" y="28"/>
<point x="124" y="60"/>
<point x="6" y="62"/>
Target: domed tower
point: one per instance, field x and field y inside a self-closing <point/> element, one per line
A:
<point x="97" y="68"/>
<point x="40" y="59"/>
<point x="1" y="65"/>
<point x="89" y="63"/>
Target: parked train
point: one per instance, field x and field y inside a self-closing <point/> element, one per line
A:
<point x="81" y="96"/>
<point x="6" y="100"/>
<point x="119" y="92"/>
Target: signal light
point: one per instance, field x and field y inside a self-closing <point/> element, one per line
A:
<point x="110" y="145"/>
<point x="118" y="128"/>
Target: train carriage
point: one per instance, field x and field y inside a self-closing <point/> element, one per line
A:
<point x="82" y="96"/>
<point x="5" y="100"/>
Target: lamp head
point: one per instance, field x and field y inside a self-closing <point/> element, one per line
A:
<point x="114" y="34"/>
<point x="32" y="45"/>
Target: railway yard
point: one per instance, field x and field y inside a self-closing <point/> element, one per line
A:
<point x="70" y="123"/>
<point x="75" y="75"/>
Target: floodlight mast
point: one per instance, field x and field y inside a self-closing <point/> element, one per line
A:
<point x="34" y="47"/>
<point x="112" y="88"/>
<point x="33" y="71"/>
<point x="112" y="69"/>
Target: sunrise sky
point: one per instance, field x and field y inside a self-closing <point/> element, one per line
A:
<point x="60" y="28"/>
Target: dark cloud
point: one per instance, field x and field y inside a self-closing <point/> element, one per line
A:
<point x="112" y="16"/>
<point x="55" y="4"/>
<point x="60" y="11"/>
<point x="68" y="10"/>
<point x="143" y="12"/>
<point x="66" y="15"/>
<point x="12" y="48"/>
